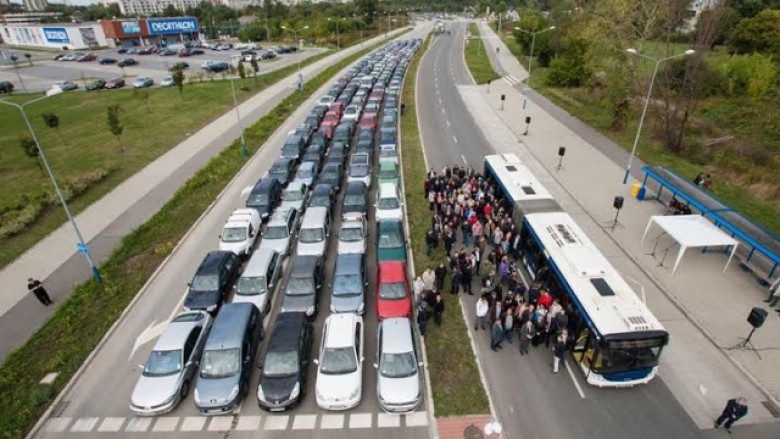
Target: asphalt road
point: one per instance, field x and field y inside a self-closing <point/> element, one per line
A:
<point x="531" y="401"/>
<point x="97" y="402"/>
<point x="45" y="73"/>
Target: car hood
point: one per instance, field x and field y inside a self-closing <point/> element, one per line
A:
<point x="347" y="303"/>
<point x="201" y="299"/>
<point x="299" y="303"/>
<point x="280" y="245"/>
<point x="258" y="300"/>
<point x="337" y="388"/>
<point x="295" y="204"/>
<point x="154" y="391"/>
<point x="393" y="308"/>
<point x="315" y="249"/>
<point x="381" y="214"/>
<point x="351" y="247"/>
<point x="235" y="247"/>
<point x="277" y="389"/>
<point x="398" y="390"/>
<point x="214" y="392"/>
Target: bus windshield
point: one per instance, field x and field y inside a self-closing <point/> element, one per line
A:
<point x="625" y="355"/>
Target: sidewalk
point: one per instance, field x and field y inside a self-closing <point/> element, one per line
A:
<point x="704" y="309"/>
<point x="103" y="224"/>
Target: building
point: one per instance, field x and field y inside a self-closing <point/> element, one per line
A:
<point x="35" y="5"/>
<point x="149" y="7"/>
<point x="240" y="4"/>
<point x="150" y="31"/>
<point x="69" y="36"/>
<point x="697" y="7"/>
<point x="28" y="17"/>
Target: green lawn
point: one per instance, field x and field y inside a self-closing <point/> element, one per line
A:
<point x="82" y="144"/>
<point x="457" y="388"/>
<point x="477" y="59"/>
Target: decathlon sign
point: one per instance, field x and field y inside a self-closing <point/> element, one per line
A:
<point x="161" y="26"/>
<point x="56" y="35"/>
<point x="131" y="27"/>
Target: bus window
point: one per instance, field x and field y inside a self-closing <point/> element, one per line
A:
<point x="625" y="355"/>
<point x="585" y="348"/>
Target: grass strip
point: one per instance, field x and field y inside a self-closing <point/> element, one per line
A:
<point x="456" y="385"/>
<point x="67" y="338"/>
<point x="477" y="58"/>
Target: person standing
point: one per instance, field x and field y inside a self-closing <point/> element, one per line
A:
<point x="456" y="281"/>
<point x="482" y="312"/>
<point x="438" y="310"/>
<point x="496" y="335"/>
<point x="441" y="274"/>
<point x="36" y="287"/>
<point x="559" y="348"/>
<point x="774" y="293"/>
<point x="422" y="322"/>
<point x="526" y="335"/>
<point x="429" y="280"/>
<point x="509" y="319"/>
<point x="735" y="410"/>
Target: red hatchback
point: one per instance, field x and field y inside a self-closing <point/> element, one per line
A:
<point x="393" y="296"/>
<point x="368" y="121"/>
<point x="332" y="119"/>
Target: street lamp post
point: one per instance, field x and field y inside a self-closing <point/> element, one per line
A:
<point x="13" y="59"/>
<point x="647" y="100"/>
<point x="338" y="38"/>
<point x="533" y="42"/>
<point x="81" y="246"/>
<point x="300" y="74"/>
<point x="244" y="148"/>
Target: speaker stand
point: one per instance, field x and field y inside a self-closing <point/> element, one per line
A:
<point x="560" y="163"/>
<point x="613" y="223"/>
<point x="655" y="246"/>
<point x="746" y="345"/>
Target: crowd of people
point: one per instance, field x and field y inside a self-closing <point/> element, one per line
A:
<point x="471" y="220"/>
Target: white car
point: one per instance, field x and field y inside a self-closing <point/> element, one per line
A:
<point x="388" y="203"/>
<point x="353" y="233"/>
<point x="340" y="363"/>
<point x="279" y="230"/>
<point x="352" y="112"/>
<point x="398" y="382"/>
<point x="167" y="82"/>
<point x="240" y="232"/>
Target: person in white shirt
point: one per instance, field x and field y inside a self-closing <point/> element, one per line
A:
<point x="482" y="311"/>
<point x="429" y="280"/>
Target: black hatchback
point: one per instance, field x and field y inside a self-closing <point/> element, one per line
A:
<point x="323" y="195"/>
<point x="283" y="380"/>
<point x="331" y="174"/>
<point x="212" y="281"/>
<point x="282" y="170"/>
<point x="265" y="196"/>
<point x="355" y="198"/>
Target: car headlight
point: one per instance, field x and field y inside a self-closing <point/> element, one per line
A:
<point x="296" y="390"/>
<point x="260" y="394"/>
<point x="310" y="311"/>
<point x="355" y="393"/>
<point x="197" y="396"/>
<point x="211" y="308"/>
<point x="332" y="308"/>
<point x="233" y="393"/>
<point x="264" y="215"/>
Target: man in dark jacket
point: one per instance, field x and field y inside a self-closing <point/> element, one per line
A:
<point x="441" y="275"/>
<point x="496" y="335"/>
<point x="735" y="409"/>
<point x="456" y="281"/>
<point x="36" y="287"/>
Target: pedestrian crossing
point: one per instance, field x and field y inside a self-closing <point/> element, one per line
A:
<point x="511" y="80"/>
<point x="270" y="422"/>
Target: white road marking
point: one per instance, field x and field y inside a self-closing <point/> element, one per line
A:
<point x="384" y="420"/>
<point x="443" y="111"/>
<point x="248" y="423"/>
<point x="277" y="422"/>
<point x="138" y="425"/>
<point x="417" y="419"/>
<point x="463" y="157"/>
<point x="57" y="425"/>
<point x="153" y="331"/>
<point x="193" y="423"/>
<point x="448" y="124"/>
<point x="220" y="423"/>
<point x="332" y="422"/>
<point x="49" y="378"/>
<point x="573" y="378"/>
<point x="84" y="425"/>
<point x="304" y="422"/>
<point x="111" y="424"/>
<point x="246" y="190"/>
<point x="166" y="423"/>
<point x="454" y="139"/>
<point x="360" y="420"/>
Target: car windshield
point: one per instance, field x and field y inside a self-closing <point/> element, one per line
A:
<point x="392" y="291"/>
<point x="205" y="282"/>
<point x="327" y="175"/>
<point x="294" y="194"/>
<point x="257" y="200"/>
<point x="398" y="365"/>
<point x="337" y="361"/>
<point x="300" y="286"/>
<point x="388" y="203"/>
<point x="387" y="152"/>
<point x="251" y="286"/>
<point x="276" y="232"/>
<point x="388" y="173"/>
<point x="220" y="363"/>
<point x="351" y="234"/>
<point x="358" y="170"/>
<point x="390" y="240"/>
<point x="347" y="285"/>
<point x="281" y="364"/>
<point x="310" y="236"/>
<point x="307" y="173"/>
<point x="387" y="139"/>
<point x="354" y="200"/>
<point x="365" y="135"/>
<point x="320" y="200"/>
<point x="163" y="363"/>
<point x="280" y="169"/>
<point x="233" y="234"/>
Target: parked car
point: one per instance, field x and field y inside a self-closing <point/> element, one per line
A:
<point x="213" y="281"/>
<point x="265" y="196"/>
<point x="217" y="67"/>
<point x="95" y="84"/>
<point x="66" y="85"/>
<point x="240" y="232"/>
<point x="283" y="379"/>
<point x="143" y="82"/>
<point x="314" y="232"/>
<point x="353" y="234"/>
<point x="388" y="202"/>
<point x="391" y="241"/>
<point x="268" y="54"/>
<point x="86" y="58"/>
<point x="355" y="199"/>
<point x="349" y="282"/>
<point x="293" y="147"/>
<point x="331" y="174"/>
<point x="282" y="169"/>
<point x="399" y="383"/>
<point x="179" y="65"/>
<point x="127" y="62"/>
<point x="307" y="172"/>
<point x="115" y="83"/>
<point x="340" y="363"/>
<point x="359" y="172"/>
<point x="394" y="295"/>
<point x="301" y="294"/>
<point x="167" y="82"/>
<point x="323" y="195"/>
<point x="259" y="280"/>
<point x="388" y="173"/>
<point x="279" y="232"/>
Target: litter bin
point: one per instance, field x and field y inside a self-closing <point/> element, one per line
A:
<point x="635" y="189"/>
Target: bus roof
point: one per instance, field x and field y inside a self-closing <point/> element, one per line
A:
<point x="517" y="182"/>
<point x="596" y="286"/>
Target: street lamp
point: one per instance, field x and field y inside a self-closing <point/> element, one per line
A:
<point x="533" y="42"/>
<point x="13" y="59"/>
<point x="81" y="246"/>
<point x="360" y="28"/>
<point x="300" y="75"/>
<point x="338" y="39"/>
<point x="658" y="62"/>
<point x="244" y="149"/>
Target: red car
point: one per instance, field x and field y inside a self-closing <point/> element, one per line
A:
<point x="332" y="118"/>
<point x="368" y="121"/>
<point x="87" y="57"/>
<point x="337" y="106"/>
<point x="327" y="131"/>
<point x="393" y="296"/>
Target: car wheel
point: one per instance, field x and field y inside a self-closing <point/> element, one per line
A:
<point x="185" y="389"/>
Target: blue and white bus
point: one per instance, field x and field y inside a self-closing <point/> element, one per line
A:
<point x="617" y="340"/>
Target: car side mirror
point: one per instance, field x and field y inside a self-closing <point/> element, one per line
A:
<point x="362" y="358"/>
<point x="420" y="364"/>
<point x="376" y="366"/>
<point x="271" y="285"/>
<point x="189" y="284"/>
<point x="316" y="361"/>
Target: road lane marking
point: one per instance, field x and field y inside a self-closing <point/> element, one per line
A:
<point x="383" y="420"/>
<point x="248" y="423"/>
<point x="193" y="423"/>
<point x="463" y="157"/>
<point x="220" y="423"/>
<point x="573" y="378"/>
<point x="166" y="423"/>
<point x="448" y="124"/>
<point x="138" y="425"/>
<point x="417" y="419"/>
<point x="277" y="422"/>
<point x="454" y="139"/>
<point x="443" y="112"/>
<point x="360" y="420"/>
<point x="84" y="425"/>
<point x="58" y="425"/>
<point x="304" y="422"/>
<point x="111" y="424"/>
<point x="332" y="422"/>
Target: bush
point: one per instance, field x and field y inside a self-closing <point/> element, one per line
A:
<point x="566" y="72"/>
<point x="758" y="34"/>
<point x="753" y="75"/>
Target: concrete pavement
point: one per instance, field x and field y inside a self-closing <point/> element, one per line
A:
<point x="703" y="308"/>
<point x="103" y="224"/>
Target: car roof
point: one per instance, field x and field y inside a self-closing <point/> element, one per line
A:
<point x="331" y="165"/>
<point x="340" y="330"/>
<point x="388" y="190"/>
<point x="356" y="187"/>
<point x="212" y="261"/>
<point x="283" y="160"/>
<point x="223" y="334"/>
<point x="322" y="189"/>
<point x="304" y="265"/>
<point x="349" y="264"/>
<point x="303" y="165"/>
<point x="265" y="183"/>
<point x="397" y="335"/>
<point x="280" y="215"/>
<point x="314" y="216"/>
<point x="391" y="271"/>
<point x="175" y="334"/>
<point x="384" y="165"/>
<point x="287" y="331"/>
<point x="258" y="263"/>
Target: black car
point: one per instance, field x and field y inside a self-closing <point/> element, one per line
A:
<point x="337" y="154"/>
<point x="312" y="121"/>
<point x="96" y="84"/>
<point x="323" y="195"/>
<point x="106" y="61"/>
<point x="283" y="380"/>
<point x="355" y="198"/>
<point x="181" y="65"/>
<point x="265" y="196"/>
<point x="268" y="54"/>
<point x="282" y="170"/>
<point x="331" y="174"/>
<point x="302" y="291"/>
<point x="212" y="281"/>
<point x="343" y="135"/>
<point x="293" y="147"/>
<point x="217" y="67"/>
<point x="196" y="52"/>
<point x="127" y="62"/>
<point x="314" y="153"/>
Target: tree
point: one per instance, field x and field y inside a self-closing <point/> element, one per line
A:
<point x="178" y="79"/>
<point x="51" y="120"/>
<point x="253" y="63"/>
<point x="114" y="125"/>
<point x="241" y="70"/>
<point x="143" y="96"/>
<point x="758" y="34"/>
<point x="27" y="143"/>
<point x="29" y="58"/>
<point x="751" y="8"/>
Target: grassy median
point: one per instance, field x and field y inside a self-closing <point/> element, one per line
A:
<point x="67" y="338"/>
<point x="457" y="388"/>
<point x="477" y="58"/>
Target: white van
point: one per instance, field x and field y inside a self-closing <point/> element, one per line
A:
<point x="240" y="232"/>
<point x="259" y="279"/>
<point x="314" y="233"/>
<point x="388" y="203"/>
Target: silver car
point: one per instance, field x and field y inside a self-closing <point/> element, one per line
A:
<point x="398" y="385"/>
<point x="349" y="282"/>
<point x="172" y="364"/>
<point x="295" y="196"/>
<point x="279" y="231"/>
<point x="352" y="236"/>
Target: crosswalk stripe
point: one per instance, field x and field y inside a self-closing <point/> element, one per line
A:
<point x="220" y="423"/>
<point x="138" y="425"/>
<point x="193" y="423"/>
<point x="166" y="423"/>
<point x="304" y="422"/>
<point x="248" y="423"/>
<point x="84" y="425"/>
<point x="277" y="422"/>
<point x="330" y="422"/>
<point x="417" y="419"/>
<point x="384" y="420"/>
<point x="360" y="420"/>
<point x="57" y="425"/>
<point x="111" y="424"/>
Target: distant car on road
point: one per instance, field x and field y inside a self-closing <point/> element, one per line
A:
<point x="115" y="83"/>
<point x="179" y="65"/>
<point x="96" y="84"/>
<point x="167" y="82"/>
<point x="6" y="87"/>
<point x="127" y="62"/>
<point x="66" y="85"/>
<point x="215" y="67"/>
<point x="166" y="52"/>
<point x="143" y="82"/>
<point x="86" y="58"/>
<point x="106" y="61"/>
